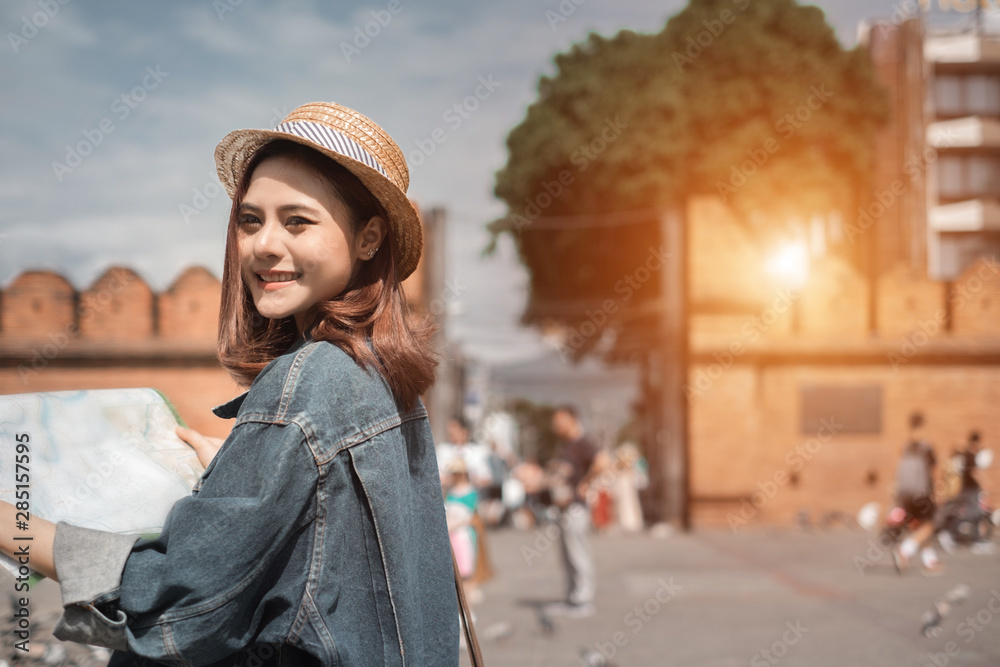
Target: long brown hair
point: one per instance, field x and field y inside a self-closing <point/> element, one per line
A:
<point x="372" y="309"/>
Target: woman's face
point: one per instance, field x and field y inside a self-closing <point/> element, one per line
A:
<point x="296" y="244"/>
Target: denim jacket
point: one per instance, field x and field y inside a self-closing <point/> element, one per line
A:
<point x="316" y="536"/>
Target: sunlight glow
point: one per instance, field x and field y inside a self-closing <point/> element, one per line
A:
<point x="790" y="264"/>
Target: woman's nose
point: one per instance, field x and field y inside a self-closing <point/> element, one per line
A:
<point x="266" y="241"/>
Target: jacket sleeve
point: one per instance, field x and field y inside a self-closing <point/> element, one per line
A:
<point x="197" y="592"/>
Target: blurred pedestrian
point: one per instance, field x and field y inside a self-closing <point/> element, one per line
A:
<point x="630" y="476"/>
<point x="915" y="495"/>
<point x="576" y="462"/>
<point x="531" y="478"/>
<point x="499" y="462"/>
<point x="960" y="516"/>
<point x="475" y="455"/>
<point x="460" y="504"/>
<point x="965" y="465"/>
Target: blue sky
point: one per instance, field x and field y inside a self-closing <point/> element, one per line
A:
<point x="151" y="87"/>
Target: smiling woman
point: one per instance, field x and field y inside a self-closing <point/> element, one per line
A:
<point x="317" y="533"/>
<point x="298" y="243"/>
<point x="297" y="210"/>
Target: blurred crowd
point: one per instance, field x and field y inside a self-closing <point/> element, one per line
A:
<point x="581" y="488"/>
<point x="949" y="510"/>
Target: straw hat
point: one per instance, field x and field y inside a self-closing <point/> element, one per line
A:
<point x="351" y="140"/>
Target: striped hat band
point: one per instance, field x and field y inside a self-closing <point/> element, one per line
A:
<point x="331" y="140"/>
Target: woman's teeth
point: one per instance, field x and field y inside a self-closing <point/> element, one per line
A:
<point x="277" y="277"/>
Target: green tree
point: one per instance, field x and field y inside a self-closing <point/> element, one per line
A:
<point x="756" y="102"/>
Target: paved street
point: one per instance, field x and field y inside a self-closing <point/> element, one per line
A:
<point x="714" y="599"/>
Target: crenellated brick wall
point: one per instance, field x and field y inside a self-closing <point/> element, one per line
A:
<point x="36" y="304"/>
<point x="118" y="306"/>
<point x="117" y="333"/>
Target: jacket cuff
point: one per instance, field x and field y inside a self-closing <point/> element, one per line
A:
<point x="87" y="625"/>
<point x="89" y="562"/>
<point x="89" y="565"/>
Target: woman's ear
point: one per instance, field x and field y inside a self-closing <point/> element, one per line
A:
<point x="369" y="239"/>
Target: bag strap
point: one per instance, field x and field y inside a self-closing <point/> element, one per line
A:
<point x="466" y="615"/>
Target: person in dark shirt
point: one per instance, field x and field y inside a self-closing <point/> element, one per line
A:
<point x="915" y="494"/>
<point x="969" y="484"/>
<point x="963" y="503"/>
<point x="576" y="462"/>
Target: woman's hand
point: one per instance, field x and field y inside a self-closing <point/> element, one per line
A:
<point x="204" y="446"/>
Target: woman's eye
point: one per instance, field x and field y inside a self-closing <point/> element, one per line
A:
<point x="248" y="220"/>
<point x="297" y="221"/>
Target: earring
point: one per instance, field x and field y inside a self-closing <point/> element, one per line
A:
<point x="371" y="253"/>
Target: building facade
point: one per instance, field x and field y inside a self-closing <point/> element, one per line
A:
<point x="799" y="395"/>
<point x="799" y="401"/>
<point x="942" y="151"/>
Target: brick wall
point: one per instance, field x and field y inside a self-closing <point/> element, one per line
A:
<point x="189" y="309"/>
<point x="975" y="301"/>
<point x="117" y="306"/>
<point x="118" y="333"/>
<point x="35" y="304"/>
<point x="906" y="300"/>
<point x="747" y="437"/>
<point x="834" y="301"/>
<point x="930" y="346"/>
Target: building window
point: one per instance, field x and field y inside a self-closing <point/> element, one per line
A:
<point x="968" y="177"/>
<point x="958" y="250"/>
<point x="948" y="95"/>
<point x="967" y="95"/>
<point x="983" y="94"/>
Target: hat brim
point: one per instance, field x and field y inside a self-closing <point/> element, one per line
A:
<point x="236" y="148"/>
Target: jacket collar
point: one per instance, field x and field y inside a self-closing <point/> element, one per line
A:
<point x="231" y="408"/>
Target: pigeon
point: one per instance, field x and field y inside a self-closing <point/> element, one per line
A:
<point x="932" y="622"/>
<point x="958" y="594"/>
<point x="548" y="627"/>
<point x="498" y="631"/>
<point x="594" y="659"/>
<point x="932" y="618"/>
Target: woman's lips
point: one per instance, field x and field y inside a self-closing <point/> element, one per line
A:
<point x="274" y="280"/>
